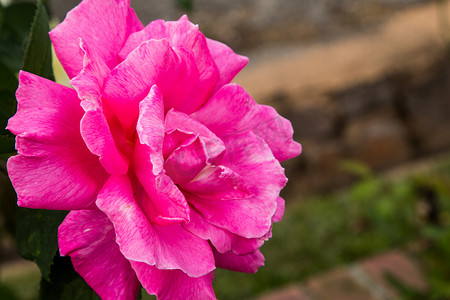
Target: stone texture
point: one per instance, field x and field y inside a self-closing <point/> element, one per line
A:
<point x="364" y="280"/>
<point x="337" y="285"/>
<point x="380" y="95"/>
<point x="250" y="23"/>
<point x="398" y="265"/>
<point x="428" y="105"/>
<point x="364" y="99"/>
<point x="378" y="142"/>
<point x="289" y="293"/>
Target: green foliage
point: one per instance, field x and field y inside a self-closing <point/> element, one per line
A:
<point x="185" y="4"/>
<point x="65" y="283"/>
<point x="36" y="232"/>
<point x="8" y="84"/>
<point x="38" y="54"/>
<point x="15" y="24"/>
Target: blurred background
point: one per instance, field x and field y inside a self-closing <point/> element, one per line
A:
<point x="366" y="85"/>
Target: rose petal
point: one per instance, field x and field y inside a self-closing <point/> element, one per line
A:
<point x="165" y="203"/>
<point x="49" y="142"/>
<point x="153" y="62"/>
<point x="88" y="237"/>
<point x="232" y="111"/>
<point x="249" y="263"/>
<point x="213" y="145"/>
<point x="250" y="157"/>
<point x="228" y="62"/>
<point x="97" y="135"/>
<point x="280" y="210"/>
<point x="104" y="25"/>
<point x="174" y="284"/>
<point x="165" y="247"/>
<point x="186" y="161"/>
<point x="222" y="239"/>
<point x="218" y="183"/>
<point x="150" y="127"/>
<point x="182" y="34"/>
<point x="89" y="81"/>
<point x="175" y="138"/>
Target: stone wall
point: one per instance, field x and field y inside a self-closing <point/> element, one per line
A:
<point x="380" y="97"/>
<point x="245" y="24"/>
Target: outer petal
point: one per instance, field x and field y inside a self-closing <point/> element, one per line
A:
<point x="87" y="236"/>
<point x="182" y="34"/>
<point x="232" y="111"/>
<point x="49" y="142"/>
<point x="167" y="247"/>
<point x="222" y="239"/>
<point x="153" y="62"/>
<point x="99" y="139"/>
<point x="280" y="210"/>
<point x="95" y="129"/>
<point x="228" y="62"/>
<point x="174" y="284"/>
<point x="248" y="156"/>
<point x="104" y="25"/>
<point x="248" y="263"/>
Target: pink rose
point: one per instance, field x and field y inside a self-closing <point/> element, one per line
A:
<point x="168" y="169"/>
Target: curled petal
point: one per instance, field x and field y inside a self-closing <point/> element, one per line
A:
<point x="186" y="161"/>
<point x="213" y="145"/>
<point x="104" y="25"/>
<point x="280" y="210"/>
<point x="228" y="62"/>
<point x="232" y="111"/>
<point x="99" y="139"/>
<point x="182" y="34"/>
<point x="165" y="204"/>
<point x="49" y="142"/>
<point x="165" y="247"/>
<point x="150" y="127"/>
<point x="248" y="263"/>
<point x="88" y="237"/>
<point x="174" y="284"/>
<point x="218" y="183"/>
<point x="153" y="62"/>
<point x="251" y="158"/>
<point x="221" y="239"/>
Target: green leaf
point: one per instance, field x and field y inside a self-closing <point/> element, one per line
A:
<point x="186" y="4"/>
<point x="65" y="283"/>
<point x="15" y="24"/>
<point x="36" y="230"/>
<point x="36" y="235"/>
<point x="8" y="86"/>
<point x="38" y="54"/>
<point x="6" y="144"/>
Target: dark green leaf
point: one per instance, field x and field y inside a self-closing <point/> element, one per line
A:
<point x="38" y="54"/>
<point x="36" y="235"/>
<point x="15" y="24"/>
<point x="36" y="230"/>
<point x="8" y="86"/>
<point x="6" y="144"/>
<point x="186" y="4"/>
<point x="65" y="283"/>
<point x="18" y="17"/>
